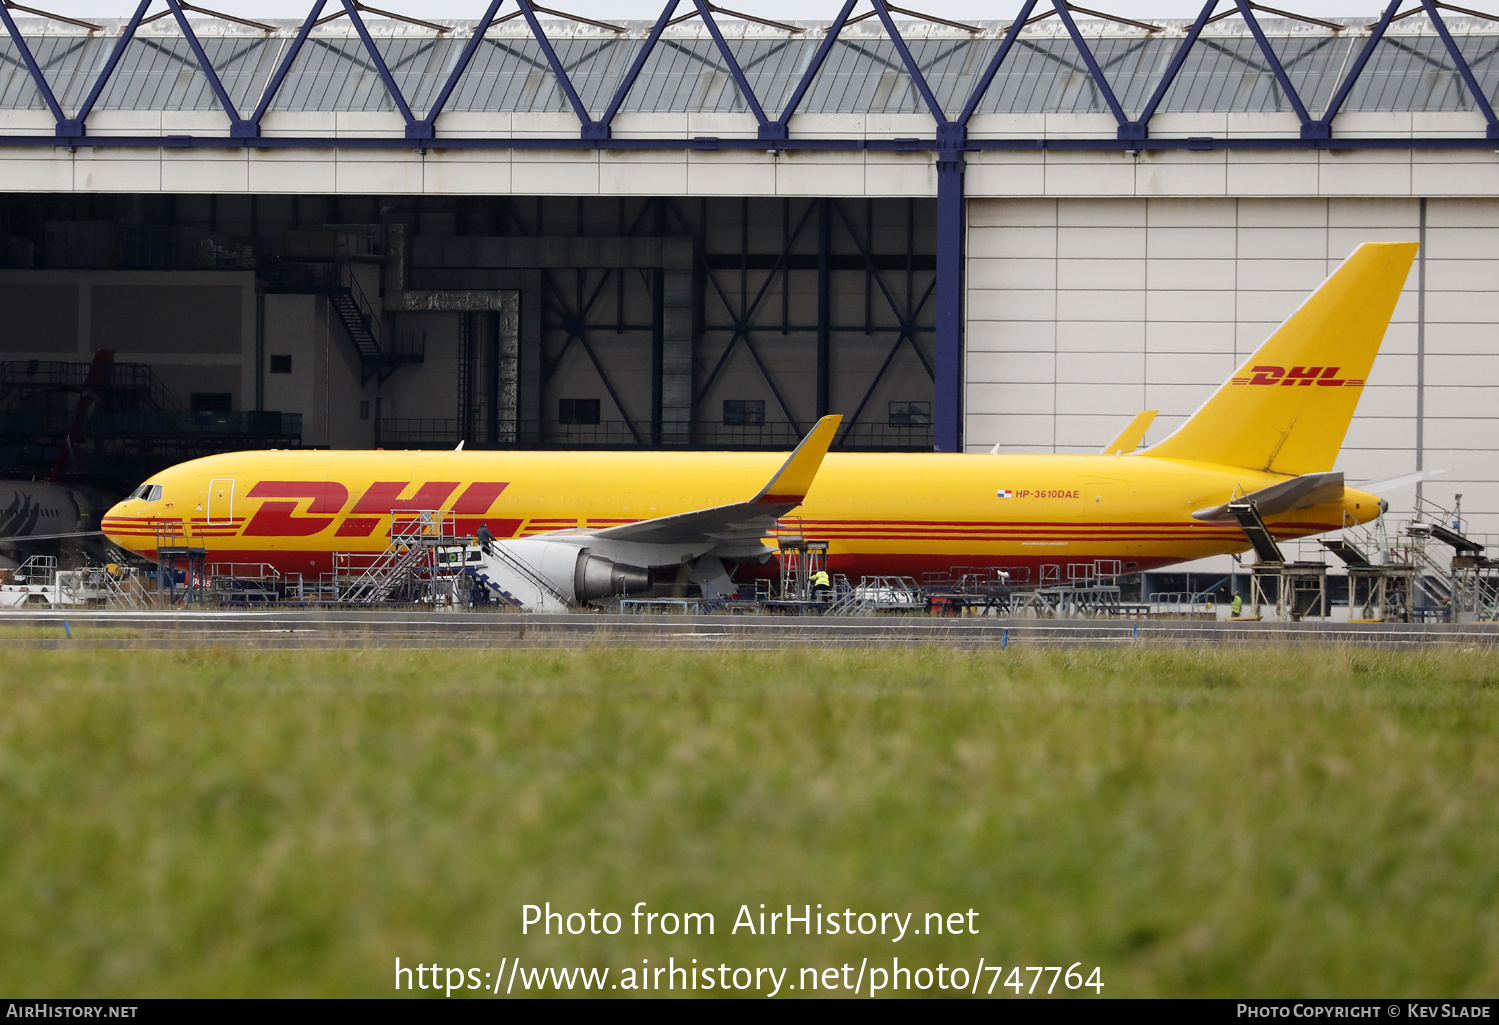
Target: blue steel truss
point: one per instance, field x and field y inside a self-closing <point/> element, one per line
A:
<point x="949" y="138"/>
<point x="948" y="133"/>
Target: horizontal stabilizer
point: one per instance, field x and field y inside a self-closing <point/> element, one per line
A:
<point x="1297" y="493"/>
<point x="1379" y="487"/>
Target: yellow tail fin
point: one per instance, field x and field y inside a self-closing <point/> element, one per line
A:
<point x="1287" y="408"/>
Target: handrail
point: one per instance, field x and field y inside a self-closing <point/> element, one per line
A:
<point x="367" y="314"/>
<point x="515" y="563"/>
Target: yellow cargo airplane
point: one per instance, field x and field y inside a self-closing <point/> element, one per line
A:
<point x="581" y="526"/>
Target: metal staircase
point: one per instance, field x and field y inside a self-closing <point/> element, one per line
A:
<point x="1468" y="587"/>
<point x="378" y="357"/>
<point x="511" y="579"/>
<point x="96" y="586"/>
<point x="879" y="594"/>
<point x="379" y="581"/>
<point x="1347" y="551"/>
<point x="424" y="559"/>
<point x="1434" y="579"/>
<point x="361" y="322"/>
<point x="1457" y="542"/>
<point x="1248" y="516"/>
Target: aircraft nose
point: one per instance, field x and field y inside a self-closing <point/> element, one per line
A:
<point x="113" y="523"/>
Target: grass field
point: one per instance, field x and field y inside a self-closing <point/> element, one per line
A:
<point x="1306" y="822"/>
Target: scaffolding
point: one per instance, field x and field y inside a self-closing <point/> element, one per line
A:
<point x="32" y="584"/>
<point x="1065" y="591"/>
<point x="178" y="553"/>
<point x="800" y="561"/>
<point x="1470" y="578"/>
<point x="1378" y="592"/>
<point x="880" y="594"/>
<point x="423" y="562"/>
<point x="1475" y="589"/>
<point x="254" y="583"/>
<point x="100" y="587"/>
<point x="1300" y="590"/>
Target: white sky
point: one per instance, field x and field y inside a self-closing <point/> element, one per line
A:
<point x="644" y="10"/>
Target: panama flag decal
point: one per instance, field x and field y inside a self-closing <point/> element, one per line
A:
<point x="1005" y="493"/>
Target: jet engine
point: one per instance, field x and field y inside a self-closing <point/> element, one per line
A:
<point x="545" y="574"/>
<point x="595" y="577"/>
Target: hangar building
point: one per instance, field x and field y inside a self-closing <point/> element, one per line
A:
<point x="368" y="228"/>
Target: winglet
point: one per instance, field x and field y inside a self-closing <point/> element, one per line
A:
<point x="1129" y="439"/>
<point x="791" y="483"/>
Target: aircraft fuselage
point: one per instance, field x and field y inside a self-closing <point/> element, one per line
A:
<point x="902" y="514"/>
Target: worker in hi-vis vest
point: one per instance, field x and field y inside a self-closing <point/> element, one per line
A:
<point x="1236" y="607"/>
<point x="821" y="585"/>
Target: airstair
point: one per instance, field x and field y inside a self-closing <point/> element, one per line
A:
<point x="32" y="585"/>
<point x="1300" y="587"/>
<point x="504" y="569"/>
<point x="1378" y="591"/>
<point x="1471" y="579"/>
<point x="1428" y="567"/>
<point x="38" y="583"/>
<point x="1250" y="522"/>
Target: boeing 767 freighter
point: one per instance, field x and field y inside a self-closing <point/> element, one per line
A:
<point x="584" y="526"/>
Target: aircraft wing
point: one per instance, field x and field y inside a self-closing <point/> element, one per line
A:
<point x="740" y="521"/>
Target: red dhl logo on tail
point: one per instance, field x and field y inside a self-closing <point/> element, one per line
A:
<point x="1323" y="377"/>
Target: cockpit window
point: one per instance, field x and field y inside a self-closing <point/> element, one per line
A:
<point x="147" y="493"/>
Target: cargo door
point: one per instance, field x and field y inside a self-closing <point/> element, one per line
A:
<point x="221" y="501"/>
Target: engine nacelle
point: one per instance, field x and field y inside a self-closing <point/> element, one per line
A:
<point x="546" y="575"/>
<point x="595" y="577"/>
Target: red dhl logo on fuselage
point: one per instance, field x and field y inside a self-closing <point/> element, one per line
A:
<point x="1324" y="377"/>
<point x="326" y="501"/>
